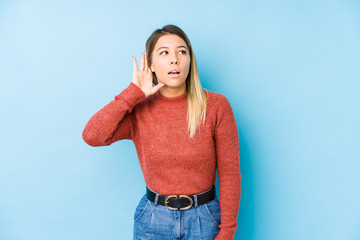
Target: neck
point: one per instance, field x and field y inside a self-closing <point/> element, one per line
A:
<point x="172" y="92"/>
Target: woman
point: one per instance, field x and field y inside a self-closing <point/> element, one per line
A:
<point x="182" y="134"/>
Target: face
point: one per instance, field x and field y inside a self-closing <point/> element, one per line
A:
<point x="171" y="53"/>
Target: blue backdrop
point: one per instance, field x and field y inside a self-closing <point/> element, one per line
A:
<point x="290" y="70"/>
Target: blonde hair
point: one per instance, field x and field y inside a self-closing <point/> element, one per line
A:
<point x="196" y="95"/>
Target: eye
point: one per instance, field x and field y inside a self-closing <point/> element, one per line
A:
<point x="182" y="52"/>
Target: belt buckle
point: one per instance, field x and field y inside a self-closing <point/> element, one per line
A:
<point x="180" y="196"/>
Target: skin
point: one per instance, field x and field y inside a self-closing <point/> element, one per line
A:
<point x="167" y="54"/>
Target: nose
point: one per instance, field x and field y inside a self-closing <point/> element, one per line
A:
<point x="173" y="59"/>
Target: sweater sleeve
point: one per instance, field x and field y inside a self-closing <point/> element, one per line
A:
<point x="228" y="165"/>
<point x="113" y="122"/>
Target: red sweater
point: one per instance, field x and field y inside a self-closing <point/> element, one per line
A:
<point x="171" y="162"/>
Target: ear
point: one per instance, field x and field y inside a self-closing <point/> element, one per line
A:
<point x="152" y="69"/>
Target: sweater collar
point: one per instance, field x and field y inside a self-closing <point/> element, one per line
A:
<point x="171" y="101"/>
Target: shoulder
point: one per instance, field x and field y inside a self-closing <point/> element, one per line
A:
<point x="220" y="108"/>
<point x="217" y="100"/>
<point x="222" y="111"/>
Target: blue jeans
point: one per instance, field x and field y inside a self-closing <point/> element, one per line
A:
<point x="157" y="222"/>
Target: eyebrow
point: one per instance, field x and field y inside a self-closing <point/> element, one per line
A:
<point x="167" y="47"/>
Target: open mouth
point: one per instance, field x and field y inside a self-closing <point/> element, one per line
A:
<point x="174" y="72"/>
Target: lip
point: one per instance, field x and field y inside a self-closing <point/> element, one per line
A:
<point x="174" y="75"/>
<point x="174" y="69"/>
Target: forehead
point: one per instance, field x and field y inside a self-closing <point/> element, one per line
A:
<point x="170" y="40"/>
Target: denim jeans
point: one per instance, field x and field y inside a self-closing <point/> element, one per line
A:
<point x="157" y="222"/>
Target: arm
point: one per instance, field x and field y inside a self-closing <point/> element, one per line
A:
<point x="113" y="121"/>
<point x="228" y="165"/>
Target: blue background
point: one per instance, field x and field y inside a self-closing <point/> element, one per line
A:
<point x="290" y="70"/>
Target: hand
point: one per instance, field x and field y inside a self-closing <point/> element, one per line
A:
<point x="143" y="77"/>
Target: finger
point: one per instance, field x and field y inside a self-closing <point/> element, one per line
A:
<point x="142" y="62"/>
<point x="146" y="62"/>
<point x="158" y="86"/>
<point x="135" y="67"/>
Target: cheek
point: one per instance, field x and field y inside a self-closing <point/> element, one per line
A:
<point x="188" y="65"/>
<point x="188" y="60"/>
<point x="159" y="66"/>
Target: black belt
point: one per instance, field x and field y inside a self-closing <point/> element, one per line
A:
<point x="181" y="202"/>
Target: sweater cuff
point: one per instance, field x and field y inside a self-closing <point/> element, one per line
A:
<point x="225" y="234"/>
<point x="132" y="95"/>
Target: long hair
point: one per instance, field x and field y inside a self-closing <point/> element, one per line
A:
<point x="196" y="95"/>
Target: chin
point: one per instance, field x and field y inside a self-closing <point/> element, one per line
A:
<point x="173" y="83"/>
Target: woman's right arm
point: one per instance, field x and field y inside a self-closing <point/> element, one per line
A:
<point x="113" y="122"/>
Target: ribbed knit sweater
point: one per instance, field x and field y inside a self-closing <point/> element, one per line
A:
<point x="172" y="162"/>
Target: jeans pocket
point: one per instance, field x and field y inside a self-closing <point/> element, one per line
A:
<point x="141" y="208"/>
<point x="213" y="210"/>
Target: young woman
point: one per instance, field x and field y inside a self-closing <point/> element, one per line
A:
<point x="182" y="134"/>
